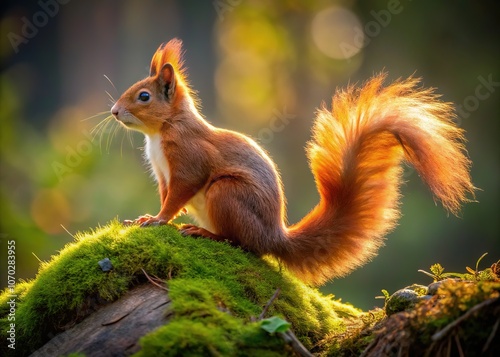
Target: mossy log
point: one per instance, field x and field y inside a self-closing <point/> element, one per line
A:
<point x="164" y="295"/>
<point x="168" y="295"/>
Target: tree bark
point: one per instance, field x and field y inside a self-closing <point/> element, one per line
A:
<point x="114" y="330"/>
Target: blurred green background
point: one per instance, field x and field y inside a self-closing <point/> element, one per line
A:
<point x="259" y="67"/>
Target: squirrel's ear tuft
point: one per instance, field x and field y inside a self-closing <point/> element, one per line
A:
<point x="170" y="52"/>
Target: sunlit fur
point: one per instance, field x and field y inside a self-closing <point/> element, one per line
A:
<point x="233" y="189"/>
<point x="355" y="156"/>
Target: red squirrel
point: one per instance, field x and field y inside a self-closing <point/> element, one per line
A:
<point x="233" y="190"/>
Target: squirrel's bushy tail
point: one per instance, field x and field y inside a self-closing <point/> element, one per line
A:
<point x="355" y="156"/>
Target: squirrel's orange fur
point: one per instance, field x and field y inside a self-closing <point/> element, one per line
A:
<point x="233" y="189"/>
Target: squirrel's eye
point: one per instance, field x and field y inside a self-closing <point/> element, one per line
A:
<point x="144" y="96"/>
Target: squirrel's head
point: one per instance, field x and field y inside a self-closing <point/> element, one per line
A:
<point x="151" y="102"/>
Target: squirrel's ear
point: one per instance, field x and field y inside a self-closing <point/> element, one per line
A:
<point x="166" y="61"/>
<point x="157" y="60"/>
<point x="167" y="79"/>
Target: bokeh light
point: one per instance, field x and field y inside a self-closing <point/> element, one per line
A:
<point x="337" y="32"/>
<point x="251" y="78"/>
<point x="50" y="210"/>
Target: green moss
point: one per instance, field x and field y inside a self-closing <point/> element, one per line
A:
<point x="414" y="332"/>
<point x="215" y="333"/>
<point x="455" y="299"/>
<point x="215" y="290"/>
<point x="358" y="336"/>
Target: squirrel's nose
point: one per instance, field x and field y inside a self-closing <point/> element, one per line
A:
<point x="114" y="110"/>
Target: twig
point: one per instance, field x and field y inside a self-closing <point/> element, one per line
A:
<point x="440" y="334"/>
<point x="288" y="336"/>
<point x="459" y="346"/>
<point x="297" y="346"/>
<point x="369" y="347"/>
<point x="68" y="231"/>
<point x="269" y="303"/>
<point x="154" y="282"/>
<point x="492" y="335"/>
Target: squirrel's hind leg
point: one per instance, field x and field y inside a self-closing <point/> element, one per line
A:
<point x="245" y="214"/>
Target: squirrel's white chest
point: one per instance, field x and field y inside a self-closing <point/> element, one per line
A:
<point x="156" y="157"/>
<point x="196" y="206"/>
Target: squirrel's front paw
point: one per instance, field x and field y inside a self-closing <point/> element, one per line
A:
<point x="153" y="222"/>
<point x="146" y="221"/>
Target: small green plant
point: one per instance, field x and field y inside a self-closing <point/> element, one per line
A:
<point x="385" y="295"/>
<point x="476" y="274"/>
<point x="275" y="324"/>
<point x="489" y="274"/>
<point x="437" y="273"/>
